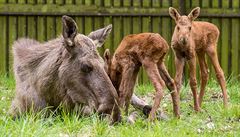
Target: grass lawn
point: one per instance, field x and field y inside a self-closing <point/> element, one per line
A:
<point x="212" y="121"/>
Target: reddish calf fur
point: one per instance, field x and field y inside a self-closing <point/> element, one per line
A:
<point x="147" y="50"/>
<point x="196" y="37"/>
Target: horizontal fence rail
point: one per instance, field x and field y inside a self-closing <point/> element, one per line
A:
<point x="93" y="10"/>
<point x="79" y="10"/>
<point x="41" y="20"/>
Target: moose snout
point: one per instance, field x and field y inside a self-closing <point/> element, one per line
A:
<point x="183" y="40"/>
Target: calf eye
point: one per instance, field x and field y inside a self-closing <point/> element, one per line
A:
<point x="178" y="28"/>
<point x="189" y="28"/>
<point x="86" y="68"/>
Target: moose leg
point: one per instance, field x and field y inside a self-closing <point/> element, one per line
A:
<point x="154" y="76"/>
<point x="179" y="64"/>
<point x="193" y="82"/>
<point x="171" y="86"/>
<point x="17" y="107"/>
<point x="212" y="53"/>
<point x="129" y="76"/>
<point x="24" y="103"/>
<point x="204" y="75"/>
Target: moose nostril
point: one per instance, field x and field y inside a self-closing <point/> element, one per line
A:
<point x="183" y="40"/>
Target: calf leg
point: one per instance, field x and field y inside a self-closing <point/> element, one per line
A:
<point x="171" y="86"/>
<point x="179" y="64"/>
<point x="153" y="74"/>
<point x="193" y="82"/>
<point x="140" y="104"/>
<point x="212" y="53"/>
<point x="169" y="82"/>
<point x="129" y="76"/>
<point x="204" y="75"/>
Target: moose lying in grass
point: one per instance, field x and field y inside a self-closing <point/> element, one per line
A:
<point x="66" y="70"/>
<point x="147" y="50"/>
<point x="196" y="37"/>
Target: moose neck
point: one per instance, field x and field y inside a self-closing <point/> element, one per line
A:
<point x="50" y="56"/>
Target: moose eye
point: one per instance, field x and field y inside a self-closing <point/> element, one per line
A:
<point x="86" y="68"/>
<point x="189" y="28"/>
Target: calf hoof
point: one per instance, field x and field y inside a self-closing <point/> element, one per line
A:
<point x="197" y="109"/>
<point x="225" y="105"/>
<point x="116" y="119"/>
<point x="133" y="117"/>
<point x="158" y="116"/>
<point x="152" y="117"/>
<point x="162" y="116"/>
<point x="146" y="110"/>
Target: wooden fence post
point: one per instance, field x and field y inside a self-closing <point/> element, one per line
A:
<point x="182" y="7"/>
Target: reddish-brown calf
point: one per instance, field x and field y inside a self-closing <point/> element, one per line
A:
<point x="195" y="37"/>
<point x="147" y="50"/>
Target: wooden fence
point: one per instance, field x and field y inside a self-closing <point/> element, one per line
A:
<point x="41" y="20"/>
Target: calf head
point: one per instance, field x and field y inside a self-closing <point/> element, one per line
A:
<point x="82" y="71"/>
<point x="112" y="69"/>
<point x="107" y="61"/>
<point x="183" y="26"/>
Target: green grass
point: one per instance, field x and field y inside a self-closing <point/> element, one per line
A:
<point x="226" y="121"/>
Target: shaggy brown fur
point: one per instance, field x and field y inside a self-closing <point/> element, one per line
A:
<point x="147" y="50"/>
<point x="195" y="37"/>
<point x="66" y="70"/>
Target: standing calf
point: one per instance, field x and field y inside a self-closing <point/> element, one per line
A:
<point x="66" y="70"/>
<point x="147" y="50"/>
<point x="195" y="37"/>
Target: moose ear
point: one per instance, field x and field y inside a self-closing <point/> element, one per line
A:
<point x="174" y="13"/>
<point x="69" y="29"/>
<point x="194" y="13"/>
<point x="100" y="35"/>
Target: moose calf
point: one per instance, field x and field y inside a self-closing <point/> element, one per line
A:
<point x="147" y="50"/>
<point x="67" y="70"/>
<point x="195" y="38"/>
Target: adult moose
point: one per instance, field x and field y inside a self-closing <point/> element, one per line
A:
<point x="66" y="70"/>
<point x="196" y="38"/>
<point x="136" y="50"/>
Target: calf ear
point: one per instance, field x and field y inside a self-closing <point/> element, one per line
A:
<point x="69" y="30"/>
<point x="99" y="36"/>
<point x="106" y="55"/>
<point x="174" y="13"/>
<point x="194" y="13"/>
<point x="107" y="61"/>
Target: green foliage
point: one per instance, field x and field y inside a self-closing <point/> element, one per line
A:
<point x="214" y="120"/>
